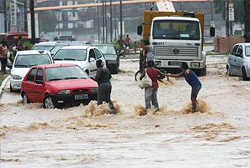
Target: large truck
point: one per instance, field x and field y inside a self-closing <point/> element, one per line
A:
<point x="175" y="37"/>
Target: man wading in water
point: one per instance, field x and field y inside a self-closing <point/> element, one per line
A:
<point x="192" y="80"/>
<point x="103" y="77"/>
<point x="151" y="92"/>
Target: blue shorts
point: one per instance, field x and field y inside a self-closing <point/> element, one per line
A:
<point x="195" y="91"/>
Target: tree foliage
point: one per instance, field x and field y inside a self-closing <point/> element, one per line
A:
<point x="220" y="7"/>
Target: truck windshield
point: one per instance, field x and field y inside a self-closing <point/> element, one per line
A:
<point x="176" y="29"/>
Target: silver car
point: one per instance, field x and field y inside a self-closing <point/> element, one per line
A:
<point x="238" y="63"/>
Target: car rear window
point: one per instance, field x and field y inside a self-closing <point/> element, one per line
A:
<point x="65" y="73"/>
<point x="248" y="51"/>
<point x="71" y="54"/>
<point x="40" y="47"/>
<point x="107" y="49"/>
<point x="24" y="61"/>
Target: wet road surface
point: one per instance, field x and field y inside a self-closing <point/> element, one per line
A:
<point x="219" y="137"/>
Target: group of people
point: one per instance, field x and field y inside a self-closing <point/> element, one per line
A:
<point x="121" y="42"/>
<point x="13" y="49"/>
<point x="103" y="77"/>
<point x="156" y="75"/>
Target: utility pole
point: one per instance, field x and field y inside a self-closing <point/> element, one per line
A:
<point x="247" y="20"/>
<point x="115" y="13"/>
<point x="111" y="28"/>
<point x="32" y="16"/>
<point x="227" y="20"/>
<point x="106" y="30"/>
<point x="5" y="17"/>
<point x="98" y="24"/>
<point x="25" y="17"/>
<point x="121" y="33"/>
<point x="103" y="21"/>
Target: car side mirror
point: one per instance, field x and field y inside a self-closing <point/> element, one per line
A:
<point x="38" y="81"/>
<point x="91" y="59"/>
<point x="212" y="31"/>
<point x="139" y="30"/>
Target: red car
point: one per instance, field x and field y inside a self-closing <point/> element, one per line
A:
<point x="58" y="84"/>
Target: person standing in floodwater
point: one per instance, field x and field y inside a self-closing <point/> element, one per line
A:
<point x="192" y="80"/>
<point x="151" y="92"/>
<point x="103" y="77"/>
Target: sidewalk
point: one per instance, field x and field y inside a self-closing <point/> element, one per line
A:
<point x="4" y="83"/>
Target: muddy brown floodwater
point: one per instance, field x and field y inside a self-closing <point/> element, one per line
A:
<point x="86" y="136"/>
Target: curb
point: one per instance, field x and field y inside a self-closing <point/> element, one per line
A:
<point x="3" y="84"/>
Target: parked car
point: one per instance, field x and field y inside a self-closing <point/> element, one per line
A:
<point x="238" y="63"/>
<point x="84" y="56"/>
<point x="54" y="46"/>
<point x="55" y="85"/>
<point x="22" y="63"/>
<point x="111" y="56"/>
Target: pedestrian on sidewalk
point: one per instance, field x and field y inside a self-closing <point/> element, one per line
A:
<point x="151" y="92"/>
<point x="192" y="80"/>
<point x="3" y="56"/>
<point x="103" y="77"/>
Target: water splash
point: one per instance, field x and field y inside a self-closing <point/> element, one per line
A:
<point x="201" y="107"/>
<point x="93" y="110"/>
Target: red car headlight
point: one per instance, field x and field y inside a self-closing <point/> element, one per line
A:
<point x="63" y="92"/>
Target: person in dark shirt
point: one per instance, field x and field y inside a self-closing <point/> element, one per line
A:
<point x="103" y="77"/>
<point x="192" y="80"/>
<point x="151" y="92"/>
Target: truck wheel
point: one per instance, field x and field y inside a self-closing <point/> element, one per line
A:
<point x="203" y="72"/>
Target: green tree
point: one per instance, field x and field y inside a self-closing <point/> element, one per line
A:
<point x="220" y="7"/>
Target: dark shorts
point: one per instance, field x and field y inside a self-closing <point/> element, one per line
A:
<point x="195" y="91"/>
<point x="3" y="61"/>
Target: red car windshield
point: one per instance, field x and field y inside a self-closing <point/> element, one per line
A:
<point x="65" y="73"/>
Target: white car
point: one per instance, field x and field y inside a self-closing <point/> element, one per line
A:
<point x="22" y="63"/>
<point x="238" y="63"/>
<point x="83" y="56"/>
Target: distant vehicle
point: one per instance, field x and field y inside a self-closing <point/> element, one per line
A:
<point x="51" y="46"/>
<point x="12" y="37"/>
<point x="84" y="56"/>
<point x="56" y="85"/>
<point x="238" y="62"/>
<point x="111" y="56"/>
<point x="22" y="63"/>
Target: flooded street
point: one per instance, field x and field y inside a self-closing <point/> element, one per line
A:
<point x="219" y="136"/>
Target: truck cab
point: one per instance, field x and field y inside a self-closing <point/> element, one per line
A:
<point x="176" y="40"/>
<point x="175" y="37"/>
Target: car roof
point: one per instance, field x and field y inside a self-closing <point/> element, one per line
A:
<point x="53" y="43"/>
<point x="110" y="45"/>
<point x="245" y="44"/>
<point x="54" y="65"/>
<point x="29" y="52"/>
<point x="84" y="47"/>
<point x="175" y="18"/>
